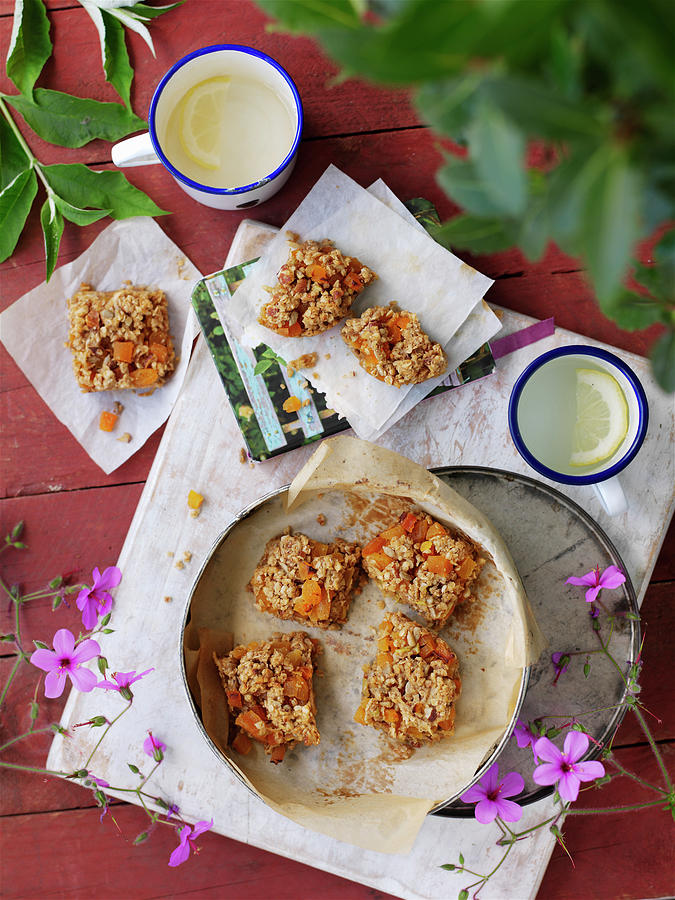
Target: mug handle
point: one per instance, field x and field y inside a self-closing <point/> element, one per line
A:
<point x="611" y="496"/>
<point x="135" y="151"/>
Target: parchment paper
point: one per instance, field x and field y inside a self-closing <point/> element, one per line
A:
<point x="357" y="785"/>
<point x="35" y="328"/>
<point x="413" y="270"/>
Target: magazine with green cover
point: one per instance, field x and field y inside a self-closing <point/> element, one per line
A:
<point x="257" y="381"/>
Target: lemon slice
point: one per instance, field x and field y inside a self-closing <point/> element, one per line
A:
<point x="201" y="120"/>
<point x="601" y="417"/>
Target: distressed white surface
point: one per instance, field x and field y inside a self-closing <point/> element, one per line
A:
<point x="200" y="450"/>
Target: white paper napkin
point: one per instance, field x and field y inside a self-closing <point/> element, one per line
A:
<point x="35" y="328"/>
<point x="413" y="270"/>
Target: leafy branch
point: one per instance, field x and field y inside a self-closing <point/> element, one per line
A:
<point x="73" y="191"/>
<point x="592" y="81"/>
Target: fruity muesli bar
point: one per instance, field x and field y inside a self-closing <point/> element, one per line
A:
<point x="410" y="690"/>
<point x="268" y="685"/>
<point x="418" y="562"/>
<point x="120" y="339"/>
<point x="315" y="290"/>
<point x="306" y="580"/>
<point x="390" y="345"/>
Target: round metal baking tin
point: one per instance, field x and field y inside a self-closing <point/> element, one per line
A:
<point x="452" y="806"/>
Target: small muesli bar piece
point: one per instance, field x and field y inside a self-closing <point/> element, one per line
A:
<point x="306" y="580"/>
<point x="315" y="290"/>
<point x="270" y="695"/>
<point x="418" y="562"/>
<point x="120" y="339"/>
<point x="390" y="345"/>
<point x="410" y="690"/>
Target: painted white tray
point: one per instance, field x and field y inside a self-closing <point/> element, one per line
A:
<point x="200" y="450"/>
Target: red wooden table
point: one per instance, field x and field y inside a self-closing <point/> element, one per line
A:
<point x="77" y="518"/>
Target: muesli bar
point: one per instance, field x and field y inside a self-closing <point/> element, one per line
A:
<point x="410" y="690"/>
<point x="390" y="345"/>
<point x="418" y="562"/>
<point x="306" y="580"/>
<point x="120" y="339"/>
<point x="270" y="695"/>
<point x="315" y="290"/>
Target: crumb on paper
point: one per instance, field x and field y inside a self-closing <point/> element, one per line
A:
<point x="168" y="599"/>
<point x="125" y="438"/>
<point x="320" y="495"/>
<point x="251" y="464"/>
<point x="170" y="553"/>
<point x="118" y="408"/>
<point x="194" y="500"/>
<point x="187" y="555"/>
<point x="306" y="361"/>
<point x="306" y="402"/>
<point x="321" y="519"/>
<point x="242" y="455"/>
<point x="180" y="564"/>
<point x="194" y="513"/>
<point x="107" y="421"/>
<point x="327" y="356"/>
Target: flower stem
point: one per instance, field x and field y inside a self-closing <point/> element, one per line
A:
<point x="614" y="809"/>
<point x="10" y="679"/>
<point x="9" y="765"/>
<point x="25" y="735"/>
<point x="109" y="726"/>
<point x="655" y="750"/>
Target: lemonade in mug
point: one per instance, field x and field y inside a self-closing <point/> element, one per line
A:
<point x="226" y="122"/>
<point x="578" y="415"/>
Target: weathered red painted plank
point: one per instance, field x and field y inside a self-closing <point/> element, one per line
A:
<point x="71" y="855"/>
<point x="626" y="855"/>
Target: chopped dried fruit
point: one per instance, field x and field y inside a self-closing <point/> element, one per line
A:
<point x="418" y="562"/>
<point x="306" y="580"/>
<point x="392" y="347"/>
<point x="107" y="421"/>
<point x="410" y="692"/>
<point x="268" y="686"/>
<point x="314" y="291"/>
<point x="194" y="500"/>
<point x="292" y="404"/>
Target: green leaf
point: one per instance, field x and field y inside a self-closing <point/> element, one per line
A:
<point x="13" y="158"/>
<point x="460" y="181"/>
<point x="633" y="312"/>
<point x="449" y="867"/>
<point x="610" y="224"/>
<point x="40" y="645"/>
<point x="497" y="150"/>
<point x="52" y="228"/>
<point x="473" y="233"/>
<point x="17" y="531"/>
<point x="307" y="16"/>
<point x="56" y="602"/>
<point x="77" y="215"/>
<point x="446" y="105"/>
<point x="151" y="12"/>
<point x="74" y="121"/>
<point x="116" y="65"/>
<point x="15" y="203"/>
<point x="29" y="45"/>
<point x="263" y="366"/>
<point x="82" y="187"/>
<point x="663" y="360"/>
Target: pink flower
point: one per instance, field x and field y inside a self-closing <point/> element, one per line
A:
<point x="64" y="660"/>
<point x="563" y="768"/>
<point x="525" y="737"/>
<point x="490" y="793"/>
<point x="96" y="601"/>
<point x="121" y="682"/>
<point x="610" y="578"/>
<point x="154" y="748"/>
<point x="186" y="836"/>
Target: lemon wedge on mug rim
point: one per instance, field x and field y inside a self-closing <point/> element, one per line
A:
<point x="200" y="121"/>
<point x="601" y="422"/>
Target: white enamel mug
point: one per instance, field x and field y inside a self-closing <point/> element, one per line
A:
<point x="233" y="60"/>
<point x="603" y="478"/>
